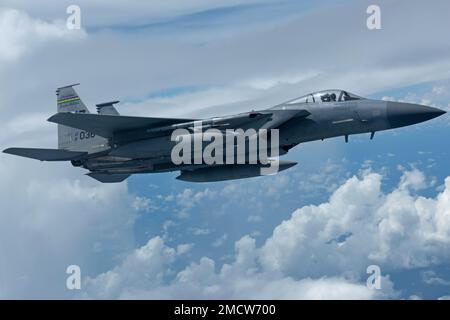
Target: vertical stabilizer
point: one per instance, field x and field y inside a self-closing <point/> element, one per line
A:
<point x="69" y="101"/>
<point x="70" y="138"/>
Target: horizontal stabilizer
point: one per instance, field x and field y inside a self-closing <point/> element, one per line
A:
<point x="108" y="108"/>
<point x="46" y="154"/>
<point x="107" y="125"/>
<point x="108" y="178"/>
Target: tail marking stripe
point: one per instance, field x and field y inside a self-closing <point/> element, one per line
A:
<point x="68" y="100"/>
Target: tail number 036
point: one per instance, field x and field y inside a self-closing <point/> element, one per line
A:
<point x="86" y="135"/>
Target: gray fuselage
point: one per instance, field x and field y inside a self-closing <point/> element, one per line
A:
<point x="325" y="120"/>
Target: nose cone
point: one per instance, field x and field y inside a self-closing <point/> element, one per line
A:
<point x="401" y="114"/>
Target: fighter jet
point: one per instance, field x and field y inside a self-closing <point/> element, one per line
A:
<point x="113" y="147"/>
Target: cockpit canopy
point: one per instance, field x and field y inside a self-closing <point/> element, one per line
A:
<point x="326" y="96"/>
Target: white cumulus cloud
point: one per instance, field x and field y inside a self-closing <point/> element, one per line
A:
<point x="20" y="32"/>
<point x="396" y="230"/>
<point x="200" y="280"/>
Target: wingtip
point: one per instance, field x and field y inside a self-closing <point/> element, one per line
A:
<point x="53" y="118"/>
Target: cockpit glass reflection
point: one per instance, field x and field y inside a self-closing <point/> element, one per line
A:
<point x="326" y="96"/>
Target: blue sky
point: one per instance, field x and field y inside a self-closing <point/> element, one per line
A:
<point x="309" y="232"/>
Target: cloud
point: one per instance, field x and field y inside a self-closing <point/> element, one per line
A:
<point x="254" y="218"/>
<point x="200" y="232"/>
<point x="233" y="73"/>
<point x="395" y="230"/>
<point x="51" y="219"/>
<point x="145" y="268"/>
<point x="184" y="248"/>
<point x="96" y="13"/>
<point x="381" y="59"/>
<point x="238" y="280"/>
<point x="20" y="33"/>
<point x="303" y="259"/>
<point x="414" y="180"/>
<point x="143" y="204"/>
<point x="220" y="241"/>
<point x="430" y="277"/>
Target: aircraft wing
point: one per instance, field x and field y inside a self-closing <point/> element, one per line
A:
<point x="107" y="125"/>
<point x="265" y="119"/>
<point x="125" y="128"/>
<point x="46" y="154"/>
<point x="243" y="121"/>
